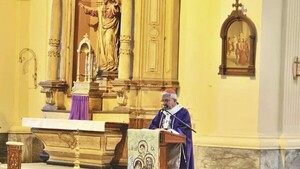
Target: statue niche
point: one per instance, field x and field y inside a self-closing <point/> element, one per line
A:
<point x="107" y="29"/>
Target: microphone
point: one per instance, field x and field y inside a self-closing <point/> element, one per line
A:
<point x="182" y="122"/>
<point x="164" y="108"/>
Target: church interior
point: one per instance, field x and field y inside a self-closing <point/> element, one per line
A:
<point x="244" y="106"/>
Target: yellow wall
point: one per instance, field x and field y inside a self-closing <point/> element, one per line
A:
<point x="38" y="41"/>
<point x="220" y="105"/>
<point x="18" y="96"/>
<point x="8" y="58"/>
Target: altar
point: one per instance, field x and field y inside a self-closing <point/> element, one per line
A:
<point x="81" y="142"/>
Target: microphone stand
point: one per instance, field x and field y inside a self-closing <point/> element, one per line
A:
<point x="182" y="122"/>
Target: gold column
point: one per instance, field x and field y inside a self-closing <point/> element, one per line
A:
<point x="54" y="41"/>
<point x="125" y="39"/>
<point x="53" y="87"/>
<point x="125" y="57"/>
<point x="67" y="38"/>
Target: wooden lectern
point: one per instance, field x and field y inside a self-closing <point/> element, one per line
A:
<point x="167" y="138"/>
<point x="152" y="148"/>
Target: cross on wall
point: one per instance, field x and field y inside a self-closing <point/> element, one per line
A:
<point x="237" y="5"/>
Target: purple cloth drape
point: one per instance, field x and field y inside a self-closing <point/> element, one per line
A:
<point x="79" y="108"/>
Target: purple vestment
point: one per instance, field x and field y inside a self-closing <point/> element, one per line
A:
<point x="176" y="125"/>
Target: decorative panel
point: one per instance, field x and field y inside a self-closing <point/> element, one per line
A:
<point x="153" y="39"/>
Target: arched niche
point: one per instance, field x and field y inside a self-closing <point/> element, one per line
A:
<point x="85" y="60"/>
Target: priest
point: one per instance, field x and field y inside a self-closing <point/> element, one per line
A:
<point x="176" y="119"/>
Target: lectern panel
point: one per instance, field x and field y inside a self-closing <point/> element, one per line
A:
<point x="157" y="149"/>
<point x="143" y="148"/>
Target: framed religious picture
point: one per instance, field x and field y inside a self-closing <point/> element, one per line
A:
<point x="238" y="35"/>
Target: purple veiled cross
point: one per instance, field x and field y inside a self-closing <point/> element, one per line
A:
<point x="79" y="108"/>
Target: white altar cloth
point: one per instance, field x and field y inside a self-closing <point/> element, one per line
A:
<point x="86" y="125"/>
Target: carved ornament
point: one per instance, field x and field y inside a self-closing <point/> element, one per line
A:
<point x="125" y="51"/>
<point x="54" y="42"/>
<point x="125" y="38"/>
<point x="53" y="53"/>
<point x="68" y="138"/>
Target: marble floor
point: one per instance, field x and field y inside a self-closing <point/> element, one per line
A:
<point x="37" y="166"/>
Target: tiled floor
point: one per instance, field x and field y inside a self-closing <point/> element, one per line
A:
<point x="37" y="166"/>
